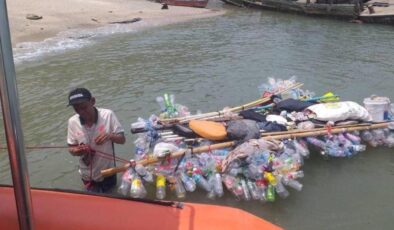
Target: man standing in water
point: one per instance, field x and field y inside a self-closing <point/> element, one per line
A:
<point x="91" y="134"/>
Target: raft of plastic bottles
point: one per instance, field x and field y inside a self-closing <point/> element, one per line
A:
<point x="262" y="175"/>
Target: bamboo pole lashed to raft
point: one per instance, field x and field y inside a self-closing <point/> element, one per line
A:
<point x="277" y="136"/>
<point x="177" y="154"/>
<point x="234" y="109"/>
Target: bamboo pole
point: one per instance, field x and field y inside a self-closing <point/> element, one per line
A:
<point x="313" y="132"/>
<point x="234" y="109"/>
<point x="177" y="154"/>
<point x="277" y="136"/>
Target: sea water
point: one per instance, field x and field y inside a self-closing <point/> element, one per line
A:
<point x="209" y="64"/>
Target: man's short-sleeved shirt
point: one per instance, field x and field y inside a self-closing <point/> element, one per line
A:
<point x="78" y="133"/>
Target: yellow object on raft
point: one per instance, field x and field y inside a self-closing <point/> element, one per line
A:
<point x="209" y="129"/>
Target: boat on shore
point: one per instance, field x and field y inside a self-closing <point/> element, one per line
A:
<point x="361" y="11"/>
<point x="378" y="12"/>
<point x="186" y="3"/>
<point x="340" y="10"/>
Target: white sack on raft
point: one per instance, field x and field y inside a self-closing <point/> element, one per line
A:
<point x="339" y="111"/>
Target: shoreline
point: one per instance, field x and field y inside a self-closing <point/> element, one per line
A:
<point x="61" y="16"/>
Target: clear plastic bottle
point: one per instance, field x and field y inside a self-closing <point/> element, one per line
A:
<point x="160" y="101"/>
<point x="234" y="171"/>
<point x="245" y="190"/>
<point x="390" y="140"/>
<point x="189" y="183"/>
<point x="125" y="185"/>
<point x="359" y="148"/>
<point x="218" y="186"/>
<point x="302" y="150"/>
<point x="143" y="173"/>
<point x="202" y="182"/>
<point x="137" y="189"/>
<point x="295" y="174"/>
<point x="140" y="124"/>
<point x="211" y="181"/>
<point x="316" y="142"/>
<point x="141" y="147"/>
<point x="220" y="152"/>
<point x="337" y="148"/>
<point x="253" y="171"/>
<point x="292" y="184"/>
<point x="254" y="191"/>
<point x="160" y="187"/>
<point x="353" y="138"/>
<point x="179" y="189"/>
<point x="280" y="189"/>
<point x="368" y="137"/>
<point x="233" y="186"/>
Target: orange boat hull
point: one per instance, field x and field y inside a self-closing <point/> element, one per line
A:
<point x="64" y="210"/>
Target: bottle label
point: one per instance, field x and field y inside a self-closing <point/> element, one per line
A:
<point x="161" y="181"/>
<point x="136" y="183"/>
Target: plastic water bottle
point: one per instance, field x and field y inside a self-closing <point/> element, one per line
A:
<point x="233" y="186"/>
<point x="202" y="182"/>
<point x="253" y="171"/>
<point x="347" y="144"/>
<point x="140" y="124"/>
<point x="301" y="149"/>
<point x="368" y="137"/>
<point x="316" y="142"/>
<point x="220" y="152"/>
<point x="270" y="193"/>
<point x="333" y="148"/>
<point x="245" y="190"/>
<point x="280" y="189"/>
<point x="292" y="184"/>
<point x="295" y="174"/>
<point x="234" y="171"/>
<point x="141" y="147"/>
<point x="379" y="135"/>
<point x="353" y="138"/>
<point x="211" y="182"/>
<point x="143" y="173"/>
<point x="189" y="183"/>
<point x="254" y="191"/>
<point x="390" y="140"/>
<point x="160" y="101"/>
<point x="124" y="187"/>
<point x="179" y="189"/>
<point x="218" y="186"/>
<point x="137" y="189"/>
<point x="160" y="187"/>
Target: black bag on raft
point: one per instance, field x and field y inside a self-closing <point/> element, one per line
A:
<point x="291" y="105"/>
<point x="243" y="130"/>
<point x="183" y="131"/>
<point x="252" y="115"/>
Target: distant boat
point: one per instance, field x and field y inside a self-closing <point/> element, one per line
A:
<point x="338" y="9"/>
<point x="187" y="3"/>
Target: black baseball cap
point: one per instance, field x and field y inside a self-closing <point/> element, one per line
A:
<point x="78" y="95"/>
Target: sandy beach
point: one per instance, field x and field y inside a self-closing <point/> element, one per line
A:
<point x="63" y="15"/>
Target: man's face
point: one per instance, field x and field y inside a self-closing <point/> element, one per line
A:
<point x="85" y="109"/>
